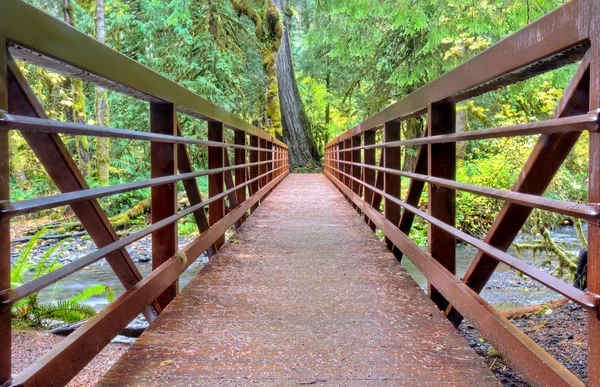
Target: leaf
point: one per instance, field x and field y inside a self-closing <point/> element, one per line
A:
<point x="167" y="363"/>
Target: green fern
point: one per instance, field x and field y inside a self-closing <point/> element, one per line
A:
<point x="23" y="261"/>
<point x="71" y="310"/>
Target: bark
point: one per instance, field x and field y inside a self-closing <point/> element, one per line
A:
<point x="412" y="129"/>
<point x="269" y="30"/>
<point x="102" y="143"/>
<point x="297" y="129"/>
<point x="461" y="126"/>
<point x="78" y="107"/>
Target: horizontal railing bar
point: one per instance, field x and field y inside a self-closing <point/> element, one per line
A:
<point x="585" y="299"/>
<point x="582" y="122"/>
<point x="537" y="364"/>
<point x="41" y="125"/>
<point x="584" y="211"/>
<point x="12" y="209"/>
<point x="13" y="295"/>
<point x="66" y="359"/>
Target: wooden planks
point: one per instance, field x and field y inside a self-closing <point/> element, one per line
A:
<point x="306" y="294"/>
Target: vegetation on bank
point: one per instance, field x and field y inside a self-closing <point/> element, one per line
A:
<point x="33" y="313"/>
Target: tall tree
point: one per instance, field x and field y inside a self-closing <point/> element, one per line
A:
<point x="78" y="101"/>
<point x="268" y="30"/>
<point x="102" y="143"/>
<point x="297" y="129"/>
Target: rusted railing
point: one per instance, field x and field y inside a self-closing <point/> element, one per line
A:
<point x="261" y="162"/>
<point x="567" y="35"/>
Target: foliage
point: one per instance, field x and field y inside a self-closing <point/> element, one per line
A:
<point x="36" y="314"/>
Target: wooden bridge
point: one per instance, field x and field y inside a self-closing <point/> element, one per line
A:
<point x="303" y="292"/>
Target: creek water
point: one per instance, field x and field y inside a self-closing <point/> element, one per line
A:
<point x="505" y="290"/>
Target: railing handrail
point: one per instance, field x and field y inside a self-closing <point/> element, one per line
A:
<point x="36" y="37"/>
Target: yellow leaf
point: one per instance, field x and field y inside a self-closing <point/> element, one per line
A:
<point x="167" y="363"/>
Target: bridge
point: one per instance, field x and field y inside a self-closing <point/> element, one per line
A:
<point x="303" y="292"/>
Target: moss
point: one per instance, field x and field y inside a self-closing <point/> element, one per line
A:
<point x="269" y="30"/>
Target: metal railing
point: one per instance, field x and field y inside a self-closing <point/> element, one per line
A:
<point x="569" y="34"/>
<point x="261" y="162"/>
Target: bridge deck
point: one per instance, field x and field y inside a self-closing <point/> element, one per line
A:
<point x="303" y="293"/>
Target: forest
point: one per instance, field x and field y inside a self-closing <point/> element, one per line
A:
<point x="304" y="71"/>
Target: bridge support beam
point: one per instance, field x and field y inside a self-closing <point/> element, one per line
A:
<point x="216" y="209"/>
<point x="262" y="169"/>
<point x="163" y="162"/>
<point x="254" y="156"/>
<point x="369" y="138"/>
<point x="593" y="266"/>
<point x="5" y="333"/>
<point x="442" y="201"/>
<point x="240" y="174"/>
<point x="348" y="167"/>
<point x="356" y="170"/>
<point x="391" y="132"/>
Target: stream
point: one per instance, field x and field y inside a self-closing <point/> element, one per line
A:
<point x="504" y="291"/>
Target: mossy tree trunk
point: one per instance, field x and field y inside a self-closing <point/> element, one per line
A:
<point x="297" y="129"/>
<point x="102" y="143"/>
<point x="269" y="30"/>
<point x="78" y="106"/>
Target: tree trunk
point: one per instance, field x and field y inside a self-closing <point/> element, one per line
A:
<point x="102" y="143"/>
<point x="78" y="107"/>
<point x="297" y="130"/>
<point x="412" y="129"/>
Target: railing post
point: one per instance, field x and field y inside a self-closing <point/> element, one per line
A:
<point x="356" y="170"/>
<point x="5" y="329"/>
<point x="369" y="174"/>
<point x="240" y="174"/>
<point x="391" y="132"/>
<point x="275" y="160"/>
<point x="216" y="209"/>
<point x="254" y="170"/>
<point x="163" y="157"/>
<point x="270" y="160"/>
<point x="337" y="160"/>
<point x="442" y="201"/>
<point x="341" y="158"/>
<point x="593" y="267"/>
<point x="262" y="157"/>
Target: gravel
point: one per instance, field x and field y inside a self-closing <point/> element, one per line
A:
<point x="29" y="345"/>
<point x="561" y="332"/>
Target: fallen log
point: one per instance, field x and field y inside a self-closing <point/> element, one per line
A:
<point x="527" y="311"/>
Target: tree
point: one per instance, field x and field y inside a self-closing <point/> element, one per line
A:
<point x="268" y="30"/>
<point x="78" y="101"/>
<point x="297" y="129"/>
<point x="102" y="143"/>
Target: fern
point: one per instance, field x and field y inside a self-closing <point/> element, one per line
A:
<point x="87" y="293"/>
<point x="23" y="262"/>
<point x="70" y="310"/>
<point x="42" y="266"/>
<point x="66" y="311"/>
